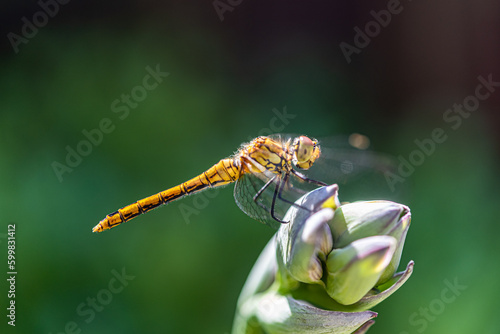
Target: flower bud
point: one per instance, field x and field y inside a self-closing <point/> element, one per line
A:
<point x="326" y="268"/>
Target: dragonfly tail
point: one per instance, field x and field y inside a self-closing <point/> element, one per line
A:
<point x="224" y="172"/>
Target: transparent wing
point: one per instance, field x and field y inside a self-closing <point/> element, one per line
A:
<point x="245" y="189"/>
<point x="360" y="173"/>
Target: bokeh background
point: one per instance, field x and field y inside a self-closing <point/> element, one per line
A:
<point x="229" y="74"/>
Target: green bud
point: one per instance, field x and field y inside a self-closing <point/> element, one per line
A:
<point x="326" y="268"/>
<point x="355" y="269"/>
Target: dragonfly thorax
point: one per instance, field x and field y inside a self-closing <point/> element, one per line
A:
<point x="265" y="155"/>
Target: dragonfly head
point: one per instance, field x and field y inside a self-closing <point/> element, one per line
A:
<point x="305" y="152"/>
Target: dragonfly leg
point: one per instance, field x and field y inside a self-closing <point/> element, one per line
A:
<point x="305" y="178"/>
<point x="285" y="180"/>
<point x="277" y="193"/>
<point x="277" y="190"/>
<point x="257" y="195"/>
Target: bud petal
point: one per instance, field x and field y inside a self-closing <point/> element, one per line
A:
<point x="357" y="220"/>
<point x="278" y="314"/>
<point x="307" y="239"/>
<point x="399" y="233"/>
<point x="355" y="269"/>
<point x="385" y="289"/>
<point x="302" y="250"/>
<point x="314" y="201"/>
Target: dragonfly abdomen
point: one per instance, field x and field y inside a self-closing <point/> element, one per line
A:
<point x="224" y="172"/>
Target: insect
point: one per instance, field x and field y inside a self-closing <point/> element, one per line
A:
<point x="268" y="177"/>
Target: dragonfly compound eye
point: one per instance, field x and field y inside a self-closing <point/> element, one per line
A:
<point x="305" y="152"/>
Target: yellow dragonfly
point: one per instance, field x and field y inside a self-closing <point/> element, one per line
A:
<point x="267" y="176"/>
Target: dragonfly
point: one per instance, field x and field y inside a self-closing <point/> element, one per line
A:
<point x="268" y="173"/>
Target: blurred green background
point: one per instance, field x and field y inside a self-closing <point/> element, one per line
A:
<point x="225" y="79"/>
